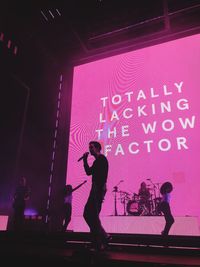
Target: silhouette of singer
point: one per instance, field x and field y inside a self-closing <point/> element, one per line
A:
<point x="99" y="172"/>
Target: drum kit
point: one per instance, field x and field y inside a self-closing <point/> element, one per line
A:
<point x="135" y="205"/>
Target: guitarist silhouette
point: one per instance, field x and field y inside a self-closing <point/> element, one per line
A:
<point x="68" y="204"/>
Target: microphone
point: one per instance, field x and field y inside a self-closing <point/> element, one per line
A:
<point x="83" y="156"/>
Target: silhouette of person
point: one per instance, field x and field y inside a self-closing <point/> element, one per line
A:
<point x="164" y="206"/>
<point x="144" y="199"/>
<point x="99" y="172"/>
<point x="68" y="204"/>
<point x="21" y="195"/>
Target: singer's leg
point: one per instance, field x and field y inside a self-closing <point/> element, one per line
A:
<point x="102" y="236"/>
<point x="91" y="216"/>
<point x="88" y="215"/>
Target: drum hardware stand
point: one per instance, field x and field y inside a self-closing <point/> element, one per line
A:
<point x="154" y="187"/>
<point x="154" y="201"/>
<point x="151" y="211"/>
<point x="157" y="212"/>
<point x="154" y="197"/>
<point x="115" y="190"/>
<point x="158" y="187"/>
<point x="124" y="197"/>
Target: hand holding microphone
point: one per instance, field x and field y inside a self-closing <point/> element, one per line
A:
<point x="85" y="155"/>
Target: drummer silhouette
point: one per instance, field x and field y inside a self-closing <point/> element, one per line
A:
<point x="164" y="207"/>
<point x="140" y="203"/>
<point x="144" y="199"/>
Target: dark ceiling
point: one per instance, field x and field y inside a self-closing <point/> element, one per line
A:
<point x="65" y="28"/>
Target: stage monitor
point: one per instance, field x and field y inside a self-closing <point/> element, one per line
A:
<point x="143" y="107"/>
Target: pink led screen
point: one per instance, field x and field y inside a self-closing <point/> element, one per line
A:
<point x="144" y="108"/>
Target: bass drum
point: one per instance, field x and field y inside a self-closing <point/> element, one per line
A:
<point x="133" y="208"/>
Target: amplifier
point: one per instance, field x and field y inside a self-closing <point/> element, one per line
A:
<point x="34" y="223"/>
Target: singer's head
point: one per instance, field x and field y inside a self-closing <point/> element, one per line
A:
<point x="94" y="147"/>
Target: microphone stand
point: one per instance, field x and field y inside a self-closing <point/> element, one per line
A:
<point x="124" y="199"/>
<point x="154" y="187"/>
<point x="115" y="190"/>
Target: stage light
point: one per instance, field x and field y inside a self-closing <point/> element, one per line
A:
<point x="15" y="50"/>
<point x="50" y="14"/>
<point x="9" y="44"/>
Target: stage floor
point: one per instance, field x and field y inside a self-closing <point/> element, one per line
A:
<point x="62" y="249"/>
<point x="141" y="225"/>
